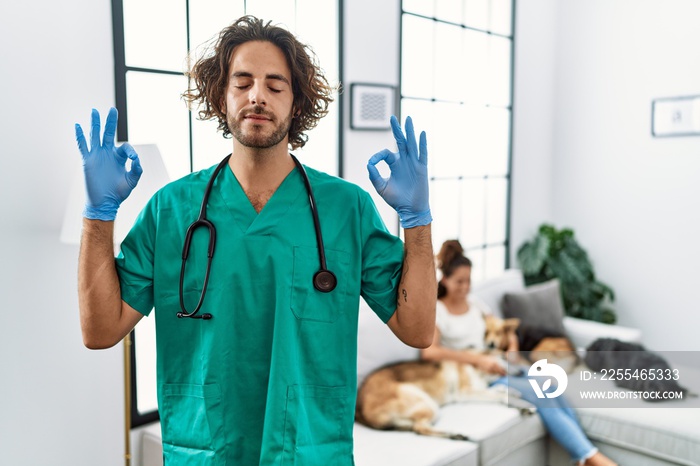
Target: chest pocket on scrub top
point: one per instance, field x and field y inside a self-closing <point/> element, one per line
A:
<point x="307" y="302"/>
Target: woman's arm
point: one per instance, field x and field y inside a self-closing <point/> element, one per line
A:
<point x="437" y="352"/>
<point x="513" y="342"/>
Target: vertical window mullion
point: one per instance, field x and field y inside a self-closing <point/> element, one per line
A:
<point x="189" y="67"/>
<point x="119" y="68"/>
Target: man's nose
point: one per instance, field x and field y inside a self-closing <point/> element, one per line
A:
<point x="258" y="94"/>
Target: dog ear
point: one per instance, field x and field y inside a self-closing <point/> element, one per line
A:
<point x="511" y="324"/>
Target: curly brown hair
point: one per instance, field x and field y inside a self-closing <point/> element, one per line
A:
<point x="209" y="76"/>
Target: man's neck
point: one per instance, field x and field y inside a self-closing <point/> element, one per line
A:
<point x="260" y="171"/>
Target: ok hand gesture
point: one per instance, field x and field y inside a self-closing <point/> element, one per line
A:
<point x="106" y="180"/>
<point x="406" y="189"/>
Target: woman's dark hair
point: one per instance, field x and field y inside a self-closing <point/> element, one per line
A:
<point x="209" y="77"/>
<point x="450" y="257"/>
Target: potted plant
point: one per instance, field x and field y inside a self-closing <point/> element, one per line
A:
<point x="555" y="253"/>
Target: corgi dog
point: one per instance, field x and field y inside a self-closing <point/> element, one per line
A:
<point x="538" y="343"/>
<point x="408" y="395"/>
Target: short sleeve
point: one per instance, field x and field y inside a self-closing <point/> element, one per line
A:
<point x="136" y="258"/>
<point x="382" y="261"/>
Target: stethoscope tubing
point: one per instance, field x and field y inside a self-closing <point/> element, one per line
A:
<point x="201" y="221"/>
<point x="323" y="280"/>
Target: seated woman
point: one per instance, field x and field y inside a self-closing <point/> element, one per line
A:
<point x="460" y="326"/>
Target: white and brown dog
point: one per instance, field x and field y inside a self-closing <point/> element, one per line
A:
<point x="408" y="395"/>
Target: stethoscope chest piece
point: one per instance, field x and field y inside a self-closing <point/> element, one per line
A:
<point x="325" y="281"/>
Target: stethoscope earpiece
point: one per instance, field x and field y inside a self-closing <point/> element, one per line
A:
<point x="205" y="316"/>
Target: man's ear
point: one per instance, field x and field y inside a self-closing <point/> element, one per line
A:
<point x="222" y="100"/>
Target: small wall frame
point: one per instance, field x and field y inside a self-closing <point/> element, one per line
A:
<point x="371" y="105"/>
<point x="675" y="116"/>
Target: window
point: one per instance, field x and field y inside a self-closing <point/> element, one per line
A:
<point x="456" y="84"/>
<point x="152" y="42"/>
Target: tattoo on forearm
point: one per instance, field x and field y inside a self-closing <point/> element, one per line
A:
<point x="418" y="255"/>
<point x="403" y="278"/>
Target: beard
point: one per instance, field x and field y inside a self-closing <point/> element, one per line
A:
<point x="256" y="138"/>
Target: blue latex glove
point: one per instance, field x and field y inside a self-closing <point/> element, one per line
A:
<point x="406" y="189"/>
<point x="106" y="180"/>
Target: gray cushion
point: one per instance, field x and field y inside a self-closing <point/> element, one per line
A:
<point x="538" y="306"/>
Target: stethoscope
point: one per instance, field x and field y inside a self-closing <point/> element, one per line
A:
<point x="324" y="280"/>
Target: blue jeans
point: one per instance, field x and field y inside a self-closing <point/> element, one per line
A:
<point x="558" y="418"/>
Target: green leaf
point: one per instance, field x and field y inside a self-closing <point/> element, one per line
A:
<point x="532" y="255"/>
<point x="547" y="230"/>
<point x="602" y="291"/>
<point x="566" y="270"/>
<point x="609" y="316"/>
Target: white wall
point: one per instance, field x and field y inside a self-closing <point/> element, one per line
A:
<point x="371" y="55"/>
<point x="61" y="404"/>
<point x="533" y="118"/>
<point x="631" y="198"/>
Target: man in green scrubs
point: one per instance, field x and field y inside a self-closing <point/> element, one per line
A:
<point x="269" y="375"/>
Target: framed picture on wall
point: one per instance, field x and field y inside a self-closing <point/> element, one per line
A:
<point x="371" y="105"/>
<point x="675" y="116"/>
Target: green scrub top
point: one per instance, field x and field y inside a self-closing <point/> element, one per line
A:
<point x="271" y="378"/>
